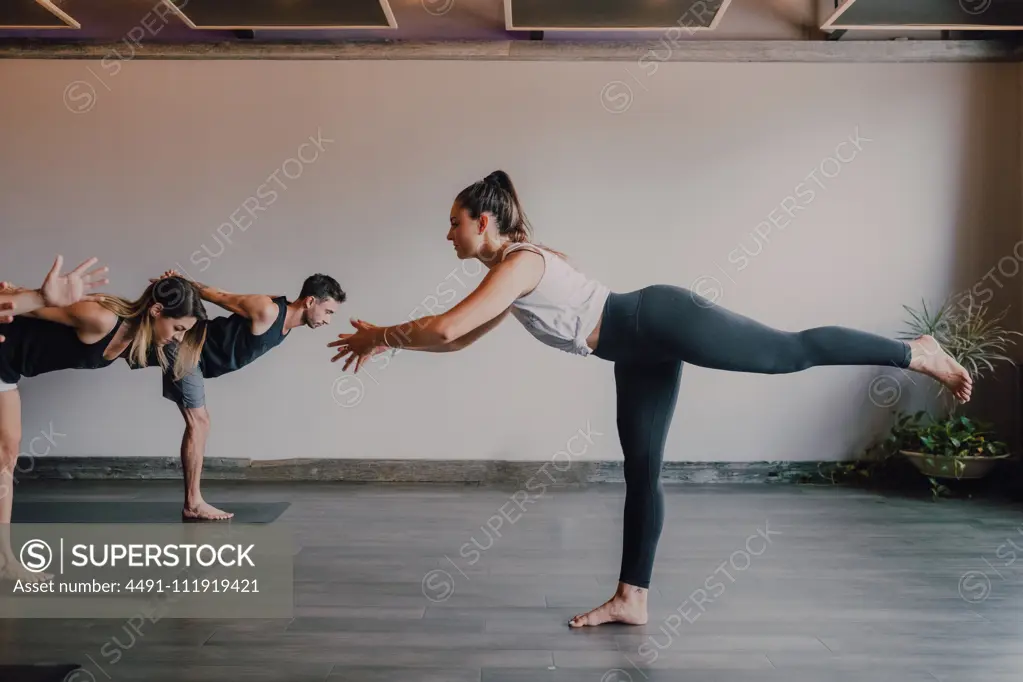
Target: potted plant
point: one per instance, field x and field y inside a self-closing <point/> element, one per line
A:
<point x="949" y="447"/>
<point x="948" y="444"/>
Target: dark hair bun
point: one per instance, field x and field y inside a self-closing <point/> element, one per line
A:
<point x="495" y="194"/>
<point x="500" y="179"/>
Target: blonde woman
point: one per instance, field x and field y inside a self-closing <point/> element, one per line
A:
<point x="60" y="327"/>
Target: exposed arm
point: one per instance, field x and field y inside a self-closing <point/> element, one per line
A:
<point x="29" y="303"/>
<point x="494" y="296"/>
<point x="85" y="316"/>
<point x="256" y="307"/>
<point x="470" y="338"/>
<point x="507" y="281"/>
<point x="58" y="292"/>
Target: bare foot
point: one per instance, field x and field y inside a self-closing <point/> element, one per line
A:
<point x="931" y="359"/>
<point x="11" y="569"/>
<point x="204" y="512"/>
<point x="627" y="606"/>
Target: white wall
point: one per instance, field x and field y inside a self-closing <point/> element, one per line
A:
<point x="664" y="192"/>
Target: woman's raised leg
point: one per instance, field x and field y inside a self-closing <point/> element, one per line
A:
<point x="690" y="327"/>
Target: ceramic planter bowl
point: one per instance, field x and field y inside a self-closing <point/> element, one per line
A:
<point x="942" y="466"/>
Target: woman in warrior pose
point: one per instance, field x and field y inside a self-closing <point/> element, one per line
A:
<point x="648" y="334"/>
<point x="59" y="326"/>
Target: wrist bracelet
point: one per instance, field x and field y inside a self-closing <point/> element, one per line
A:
<point x="388" y="344"/>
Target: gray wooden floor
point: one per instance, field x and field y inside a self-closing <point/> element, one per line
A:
<point x="851" y="586"/>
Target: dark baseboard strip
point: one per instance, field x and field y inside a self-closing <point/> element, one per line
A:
<point x="482" y="472"/>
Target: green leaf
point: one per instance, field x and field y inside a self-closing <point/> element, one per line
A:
<point x="967" y="330"/>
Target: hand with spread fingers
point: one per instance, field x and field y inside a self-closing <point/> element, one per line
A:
<point x="359" y="346"/>
<point x="57" y="291"/>
<point x="60" y="291"/>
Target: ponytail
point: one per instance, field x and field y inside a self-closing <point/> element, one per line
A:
<point x="495" y="194"/>
<point x="517" y="228"/>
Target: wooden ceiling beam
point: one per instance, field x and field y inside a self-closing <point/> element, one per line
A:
<point x="854" y="51"/>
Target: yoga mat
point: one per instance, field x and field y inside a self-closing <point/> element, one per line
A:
<point x="37" y="673"/>
<point x="98" y="511"/>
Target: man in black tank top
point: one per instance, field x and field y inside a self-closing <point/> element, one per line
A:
<point x="257" y="324"/>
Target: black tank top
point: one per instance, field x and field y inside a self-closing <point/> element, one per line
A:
<point x="36" y="346"/>
<point x="230" y="343"/>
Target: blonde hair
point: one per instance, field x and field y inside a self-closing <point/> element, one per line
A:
<point x="179" y="298"/>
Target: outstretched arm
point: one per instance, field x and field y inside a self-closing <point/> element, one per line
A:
<point x="57" y="292"/>
<point x="256" y="307"/>
<point x="459" y="343"/>
<point x="468" y="339"/>
<point x="493" y="297"/>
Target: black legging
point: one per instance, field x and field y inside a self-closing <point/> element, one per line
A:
<point x="648" y="334"/>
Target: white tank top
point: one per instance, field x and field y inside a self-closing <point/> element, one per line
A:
<point x="564" y="307"/>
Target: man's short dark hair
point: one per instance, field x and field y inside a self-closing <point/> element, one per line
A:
<point x="322" y="287"/>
